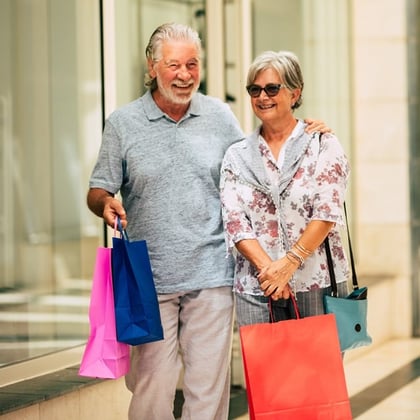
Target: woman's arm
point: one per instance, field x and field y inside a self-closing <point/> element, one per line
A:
<point x="312" y="237"/>
<point x="275" y="276"/>
<point x="254" y="253"/>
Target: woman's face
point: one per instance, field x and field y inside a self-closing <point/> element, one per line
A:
<point x="276" y="107"/>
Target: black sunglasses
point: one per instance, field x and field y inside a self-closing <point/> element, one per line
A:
<point x="272" y="89"/>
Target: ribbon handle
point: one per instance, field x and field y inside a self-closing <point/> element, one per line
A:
<point x="118" y="225"/>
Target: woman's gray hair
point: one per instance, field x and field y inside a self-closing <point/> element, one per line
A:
<point x="164" y="33"/>
<point x="285" y="63"/>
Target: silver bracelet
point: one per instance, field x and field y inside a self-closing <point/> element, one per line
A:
<point x="296" y="256"/>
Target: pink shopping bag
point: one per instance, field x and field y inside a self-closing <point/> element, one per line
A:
<point x="104" y="356"/>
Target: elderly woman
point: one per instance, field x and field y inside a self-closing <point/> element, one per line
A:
<point x="282" y="193"/>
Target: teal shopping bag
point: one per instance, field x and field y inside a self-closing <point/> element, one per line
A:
<point x="351" y="318"/>
<point x="350" y="311"/>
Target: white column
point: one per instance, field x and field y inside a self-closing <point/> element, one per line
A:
<point x="215" y="77"/>
<point x="326" y="64"/>
<point x="110" y="61"/>
<point x="245" y="59"/>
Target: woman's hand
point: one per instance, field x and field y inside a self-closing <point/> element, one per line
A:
<point x="274" y="278"/>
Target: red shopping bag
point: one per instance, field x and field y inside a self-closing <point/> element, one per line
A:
<point x="294" y="370"/>
<point x="104" y="356"/>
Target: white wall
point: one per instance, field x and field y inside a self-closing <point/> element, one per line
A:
<point x="380" y="159"/>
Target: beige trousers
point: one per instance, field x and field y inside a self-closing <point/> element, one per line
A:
<point x="198" y="335"/>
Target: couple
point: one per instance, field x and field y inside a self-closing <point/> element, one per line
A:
<point x="281" y="191"/>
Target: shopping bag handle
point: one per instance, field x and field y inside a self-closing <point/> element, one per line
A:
<point x="330" y="264"/>
<point x="117" y="224"/>
<point x="295" y="307"/>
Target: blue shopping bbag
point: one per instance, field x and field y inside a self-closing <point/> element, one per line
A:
<point x="137" y="313"/>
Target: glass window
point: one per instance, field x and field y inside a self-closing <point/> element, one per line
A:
<point x="135" y="21"/>
<point x="254" y="26"/>
<point x="51" y="117"/>
<point x="50" y="129"/>
<point x="304" y="28"/>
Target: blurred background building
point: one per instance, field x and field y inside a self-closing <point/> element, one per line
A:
<point x="66" y="64"/>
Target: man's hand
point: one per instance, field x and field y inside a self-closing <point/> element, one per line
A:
<point x="112" y="209"/>
<point x="316" y="125"/>
<point x="105" y="205"/>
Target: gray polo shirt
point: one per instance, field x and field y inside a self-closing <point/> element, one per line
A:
<point x="168" y="175"/>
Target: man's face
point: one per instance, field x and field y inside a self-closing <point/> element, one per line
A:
<point x="177" y="72"/>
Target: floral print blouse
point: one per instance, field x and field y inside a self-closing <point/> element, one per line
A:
<point x="254" y="208"/>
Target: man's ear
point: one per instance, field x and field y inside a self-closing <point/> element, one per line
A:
<point x="150" y="68"/>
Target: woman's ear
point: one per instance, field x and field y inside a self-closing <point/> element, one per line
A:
<point x="295" y="96"/>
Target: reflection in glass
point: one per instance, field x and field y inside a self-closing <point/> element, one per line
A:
<point x="50" y="132"/>
<point x="50" y="127"/>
